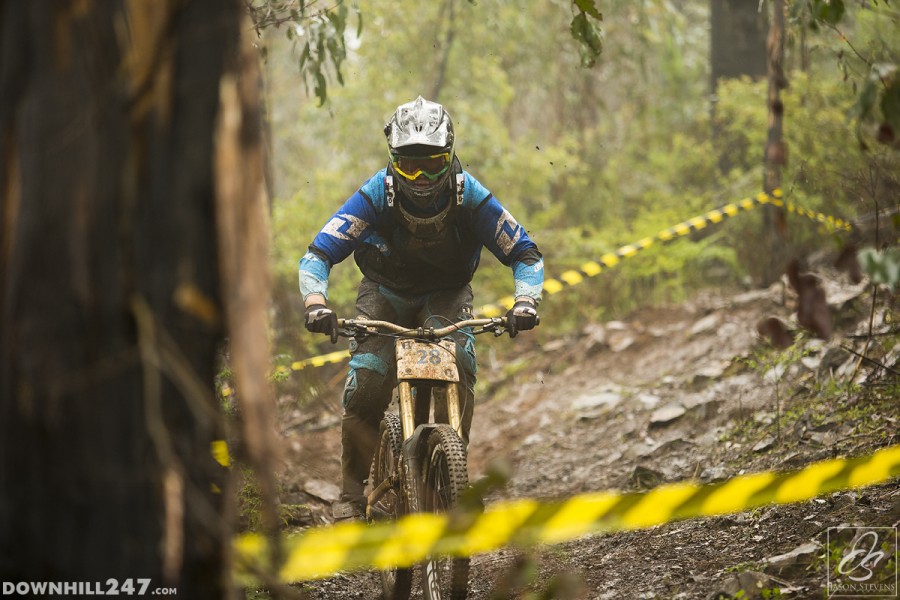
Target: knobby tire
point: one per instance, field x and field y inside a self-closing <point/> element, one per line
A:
<point x="445" y="478"/>
<point x="396" y="583"/>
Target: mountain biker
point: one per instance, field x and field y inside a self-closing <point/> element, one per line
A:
<point x="416" y="229"/>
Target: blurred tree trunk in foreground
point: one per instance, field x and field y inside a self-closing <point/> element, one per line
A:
<point x="128" y="160"/>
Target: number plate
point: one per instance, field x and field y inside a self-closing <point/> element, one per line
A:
<point x="427" y="360"/>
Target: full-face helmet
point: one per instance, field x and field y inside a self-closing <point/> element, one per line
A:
<point x="421" y="144"/>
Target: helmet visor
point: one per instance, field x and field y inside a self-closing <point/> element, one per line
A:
<point x="412" y="167"/>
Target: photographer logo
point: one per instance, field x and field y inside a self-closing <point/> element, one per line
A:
<point x="861" y="562"/>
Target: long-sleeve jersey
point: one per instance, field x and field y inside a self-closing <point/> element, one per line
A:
<point x="372" y="228"/>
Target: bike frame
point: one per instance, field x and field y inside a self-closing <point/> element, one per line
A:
<point x="422" y="357"/>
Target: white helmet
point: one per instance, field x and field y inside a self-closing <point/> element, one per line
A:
<point x="421" y="143"/>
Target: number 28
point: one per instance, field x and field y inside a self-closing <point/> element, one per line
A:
<point x="433" y="357"/>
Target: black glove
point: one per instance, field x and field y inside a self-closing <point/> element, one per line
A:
<point x="521" y="317"/>
<point x="321" y="319"/>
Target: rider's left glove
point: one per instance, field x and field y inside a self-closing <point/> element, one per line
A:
<point x="521" y="317"/>
<point x="321" y="319"/>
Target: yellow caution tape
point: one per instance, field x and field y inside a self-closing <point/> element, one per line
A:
<point x="608" y="261"/>
<point x="323" y="551"/>
<point x="219" y="451"/>
<point x="318" y="361"/>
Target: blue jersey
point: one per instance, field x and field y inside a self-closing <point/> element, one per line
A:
<point x="430" y="257"/>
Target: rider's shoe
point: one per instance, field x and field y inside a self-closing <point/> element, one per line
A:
<point x="349" y="508"/>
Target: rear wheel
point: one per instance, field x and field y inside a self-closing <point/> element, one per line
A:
<point x="445" y="479"/>
<point x="395" y="583"/>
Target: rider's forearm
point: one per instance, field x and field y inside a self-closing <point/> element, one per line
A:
<point x="313" y="273"/>
<point x="529" y="276"/>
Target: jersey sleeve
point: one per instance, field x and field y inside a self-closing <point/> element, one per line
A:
<point x="341" y="235"/>
<point x="529" y="277"/>
<point x="314" y="272"/>
<point x="500" y="233"/>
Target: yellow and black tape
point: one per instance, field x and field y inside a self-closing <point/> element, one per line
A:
<point x="323" y="551"/>
<point x="318" y="361"/>
<point x="608" y="261"/>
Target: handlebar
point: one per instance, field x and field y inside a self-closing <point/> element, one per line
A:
<point x="363" y="327"/>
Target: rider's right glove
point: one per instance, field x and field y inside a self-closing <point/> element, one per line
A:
<point x="321" y="319"/>
<point x="522" y="316"/>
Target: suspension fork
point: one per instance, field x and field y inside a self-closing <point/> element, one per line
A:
<point x="449" y="393"/>
<point x="407" y="409"/>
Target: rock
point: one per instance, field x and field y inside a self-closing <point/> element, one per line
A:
<point x="666" y="414"/>
<point x="795" y="562"/>
<point x="322" y="490"/>
<point x="712" y="474"/>
<point x="846" y="500"/>
<point x="751" y="583"/>
<point x="534" y="438"/>
<point x="645" y="478"/>
<point x="709" y="372"/>
<point x="670" y="449"/>
<point x="811" y="362"/>
<point x="794" y="460"/>
<point x="649" y="400"/>
<point x="556" y="345"/>
<point x="596" y="338"/>
<point x="705" y="325"/>
<point x="772" y="292"/>
<point x="764" y="444"/>
<point x="821" y="438"/>
<point x="606" y="399"/>
<point x="832" y="360"/>
<point x="764" y="417"/>
<point x="621" y="341"/>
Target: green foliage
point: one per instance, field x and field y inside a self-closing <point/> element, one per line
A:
<point x="866" y="57"/>
<point x="882" y="267"/>
<point x="771" y="593"/>
<point x="587" y="161"/>
<point x="588" y="35"/>
<point x="320" y="36"/>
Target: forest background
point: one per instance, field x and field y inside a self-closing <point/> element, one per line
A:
<point x="134" y="219"/>
<point x="588" y="154"/>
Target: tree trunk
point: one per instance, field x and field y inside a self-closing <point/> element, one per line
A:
<point x="111" y="309"/>
<point x="737" y="40"/>
<point x="737" y="48"/>
<point x="774" y="223"/>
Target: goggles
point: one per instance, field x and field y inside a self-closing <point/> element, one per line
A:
<point x="432" y="167"/>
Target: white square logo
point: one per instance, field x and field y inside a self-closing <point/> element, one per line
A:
<point x="862" y="562"/>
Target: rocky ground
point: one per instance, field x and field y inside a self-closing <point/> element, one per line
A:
<point x="668" y="394"/>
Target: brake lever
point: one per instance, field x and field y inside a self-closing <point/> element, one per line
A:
<point x="354" y="331"/>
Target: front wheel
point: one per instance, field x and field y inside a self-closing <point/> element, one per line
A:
<point x="396" y="583"/>
<point x="445" y="479"/>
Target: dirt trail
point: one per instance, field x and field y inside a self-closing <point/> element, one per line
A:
<point x="669" y="394"/>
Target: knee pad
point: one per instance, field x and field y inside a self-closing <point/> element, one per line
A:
<point x="367" y="391"/>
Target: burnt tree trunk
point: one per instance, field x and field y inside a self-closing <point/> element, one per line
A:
<point x="111" y="304"/>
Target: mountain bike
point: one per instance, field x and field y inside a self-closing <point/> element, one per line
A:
<point x="420" y="460"/>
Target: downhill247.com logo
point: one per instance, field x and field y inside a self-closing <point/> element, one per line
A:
<point x="110" y="587"/>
